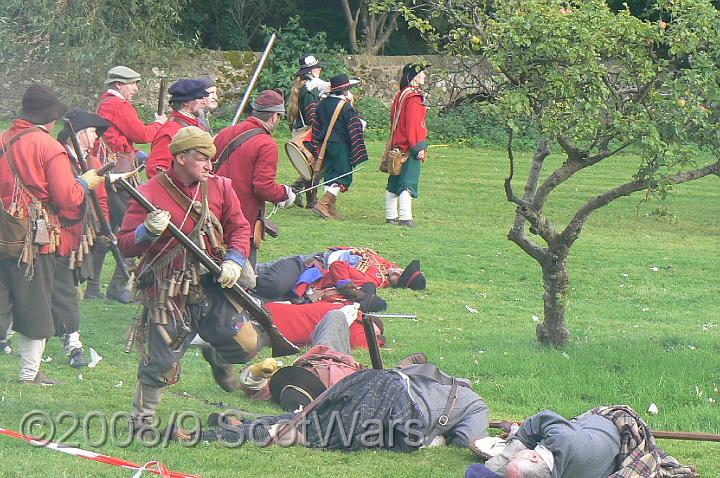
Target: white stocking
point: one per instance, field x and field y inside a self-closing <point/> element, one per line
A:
<point x="405" y="206"/>
<point x="391" y="205"/>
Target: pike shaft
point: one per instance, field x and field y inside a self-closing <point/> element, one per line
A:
<point x="253" y="80"/>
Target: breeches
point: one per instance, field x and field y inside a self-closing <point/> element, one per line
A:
<point x="214" y="319"/>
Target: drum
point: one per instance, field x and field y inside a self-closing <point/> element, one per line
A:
<point x="300" y="156"/>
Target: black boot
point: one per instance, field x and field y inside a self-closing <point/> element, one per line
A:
<point x="297" y="186"/>
<point x="223" y="372"/>
<point x="117" y="289"/>
<point x="311" y="198"/>
<point x="92" y="291"/>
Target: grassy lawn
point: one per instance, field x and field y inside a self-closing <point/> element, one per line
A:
<point x="642" y="289"/>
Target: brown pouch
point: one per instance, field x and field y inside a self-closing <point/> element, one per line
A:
<point x="393" y="160"/>
<point x="13" y="231"/>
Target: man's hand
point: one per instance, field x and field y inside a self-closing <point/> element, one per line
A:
<point x="421" y="155"/>
<point x="160" y="118"/>
<point x="92" y="179"/>
<point x="157" y="221"/>
<point x="230" y="272"/>
<point x="104" y="241"/>
<point x="290" y="198"/>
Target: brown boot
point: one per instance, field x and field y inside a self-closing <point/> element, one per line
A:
<point x="323" y="207"/>
<point x="333" y="211"/>
<point x="416" y="358"/>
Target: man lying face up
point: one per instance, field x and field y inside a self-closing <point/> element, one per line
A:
<point x="399" y="409"/>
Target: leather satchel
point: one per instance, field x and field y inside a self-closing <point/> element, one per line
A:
<point x="393" y="160"/>
<point x="13" y="230"/>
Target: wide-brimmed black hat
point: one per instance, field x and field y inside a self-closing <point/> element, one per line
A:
<point x="80" y="120"/>
<point x="40" y="105"/>
<point x="292" y="387"/>
<point x="412" y="277"/>
<point x="341" y="82"/>
<point x="307" y="63"/>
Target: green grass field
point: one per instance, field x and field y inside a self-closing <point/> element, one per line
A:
<point x="641" y="291"/>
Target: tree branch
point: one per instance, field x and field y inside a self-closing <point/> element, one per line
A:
<point x="573" y="229"/>
<point x="351" y="24"/>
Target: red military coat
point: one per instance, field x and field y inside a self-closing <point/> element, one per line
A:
<point x="297" y="322"/>
<point x="252" y="167"/>
<point x="222" y="201"/>
<point x="126" y="127"/>
<point x="160" y="156"/>
<point x="44" y="169"/>
<point x="411" y="130"/>
<point x="70" y="235"/>
<point x="342" y="271"/>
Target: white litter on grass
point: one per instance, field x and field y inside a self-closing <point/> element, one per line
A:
<point x="565" y="354"/>
<point x="470" y="309"/>
<point x="119" y="384"/>
<point x="645" y="309"/>
<point x="653" y="409"/>
<point x="692" y="347"/>
<point x="80" y="377"/>
<point x="624" y="275"/>
<point x="654" y="269"/>
<point x="698" y="392"/>
<point x="46" y="360"/>
<point x="536" y="318"/>
<point x="707" y="327"/>
<point x="95" y="358"/>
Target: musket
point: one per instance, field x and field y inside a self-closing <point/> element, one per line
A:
<point x="394" y="316"/>
<point x="104" y="225"/>
<point x="161" y="95"/>
<point x="280" y="345"/>
<point x="373" y="348"/>
<point x="693" y="436"/>
<point x="330" y="180"/>
<point x="253" y="80"/>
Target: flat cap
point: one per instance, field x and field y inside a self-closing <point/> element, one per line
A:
<point x="122" y="74"/>
<point x="192" y="137"/>
<point x="188" y="89"/>
<point x="269" y="101"/>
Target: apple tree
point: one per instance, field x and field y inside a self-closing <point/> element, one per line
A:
<point x="595" y="84"/>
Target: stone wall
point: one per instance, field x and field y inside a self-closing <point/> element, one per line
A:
<point x="379" y="77"/>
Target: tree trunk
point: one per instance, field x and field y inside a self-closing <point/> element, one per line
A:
<point x="552" y="330"/>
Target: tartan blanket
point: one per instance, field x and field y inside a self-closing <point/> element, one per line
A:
<point x="639" y="456"/>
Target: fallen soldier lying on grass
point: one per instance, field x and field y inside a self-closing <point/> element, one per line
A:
<point x="335" y="271"/>
<point x="606" y="442"/>
<point x="400" y="410"/>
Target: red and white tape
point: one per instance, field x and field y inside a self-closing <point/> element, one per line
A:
<point x="154" y="467"/>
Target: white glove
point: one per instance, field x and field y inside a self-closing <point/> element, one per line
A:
<point x="157" y="221"/>
<point x="290" y="198"/>
<point x="230" y="272"/>
<point x="350" y="312"/>
<point x="162" y="119"/>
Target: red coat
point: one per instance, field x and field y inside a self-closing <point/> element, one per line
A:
<point x="252" y="168"/>
<point x="411" y="129"/>
<point x="70" y="235"/>
<point x="44" y="169"/>
<point x="223" y="203"/>
<point x="297" y="322"/>
<point x="126" y="126"/>
<point x="341" y="271"/>
<point x="160" y="156"/>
